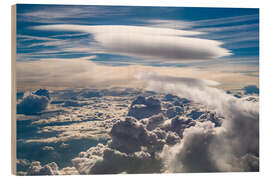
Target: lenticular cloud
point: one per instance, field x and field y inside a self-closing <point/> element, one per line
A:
<point x="148" y="42"/>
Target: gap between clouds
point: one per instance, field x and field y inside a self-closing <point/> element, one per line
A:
<point x="148" y="42"/>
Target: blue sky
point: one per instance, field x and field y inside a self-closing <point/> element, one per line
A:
<point x="116" y="36"/>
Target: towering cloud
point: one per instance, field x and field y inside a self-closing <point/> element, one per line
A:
<point x="193" y="153"/>
<point x="230" y="147"/>
<point x="132" y="150"/>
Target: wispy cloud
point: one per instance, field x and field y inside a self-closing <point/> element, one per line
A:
<point x="223" y="29"/>
<point x="49" y="43"/>
<point x="173" y="24"/>
<point x="229" y="28"/>
<point x="226" y="20"/>
<point x="31" y="38"/>
<point x="58" y="13"/>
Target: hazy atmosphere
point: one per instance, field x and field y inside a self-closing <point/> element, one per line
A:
<point x="115" y="89"/>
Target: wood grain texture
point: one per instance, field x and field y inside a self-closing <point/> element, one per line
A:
<point x="13" y="89"/>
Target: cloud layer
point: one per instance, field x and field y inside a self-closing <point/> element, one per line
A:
<point x="82" y="72"/>
<point x="181" y="144"/>
<point x="211" y="131"/>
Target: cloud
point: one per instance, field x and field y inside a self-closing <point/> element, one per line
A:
<point x="144" y="108"/>
<point x="76" y="131"/>
<point x="135" y="145"/>
<point x="78" y="72"/>
<point x="192" y="154"/>
<point x="230" y="28"/>
<point x="178" y="124"/>
<point x="43" y="92"/>
<point x="68" y="171"/>
<point x="130" y="135"/>
<point x="194" y="141"/>
<point x="226" y="31"/>
<point x="36" y="169"/>
<point x="222" y="148"/>
<point x="155" y="121"/>
<point x="82" y="72"/>
<point x="132" y="146"/>
<point x="22" y="165"/>
<point x="70" y="103"/>
<point x="148" y="42"/>
<point x="102" y="160"/>
<point x="191" y="82"/>
<point x="48" y="148"/>
<point x="89" y="122"/>
<point x="174" y="111"/>
<point x="72" y="14"/>
<point x="31" y="38"/>
<point x="198" y="23"/>
<point x="173" y="24"/>
<point x="180" y="144"/>
<point x="32" y="104"/>
<point x="90" y="94"/>
<point x="48" y="169"/>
